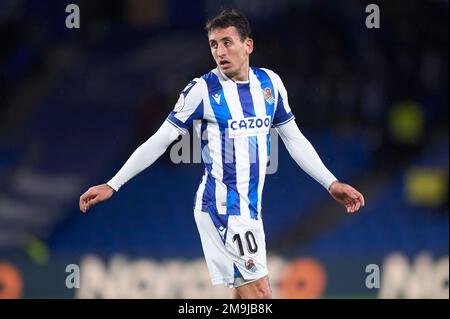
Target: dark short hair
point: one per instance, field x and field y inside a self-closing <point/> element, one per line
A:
<point x="230" y="18"/>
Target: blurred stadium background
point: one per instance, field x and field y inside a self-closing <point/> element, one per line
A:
<point x="74" y="104"/>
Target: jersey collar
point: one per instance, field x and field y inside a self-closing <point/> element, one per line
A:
<point x="226" y="78"/>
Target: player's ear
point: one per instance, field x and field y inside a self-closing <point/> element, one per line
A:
<point x="248" y="45"/>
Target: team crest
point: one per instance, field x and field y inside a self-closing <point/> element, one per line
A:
<point x="250" y="265"/>
<point x="268" y="96"/>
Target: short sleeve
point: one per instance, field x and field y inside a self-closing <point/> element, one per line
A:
<point x="283" y="113"/>
<point x="188" y="108"/>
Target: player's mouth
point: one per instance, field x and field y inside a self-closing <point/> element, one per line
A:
<point x="224" y="64"/>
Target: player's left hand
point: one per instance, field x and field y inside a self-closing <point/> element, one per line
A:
<point x="347" y="196"/>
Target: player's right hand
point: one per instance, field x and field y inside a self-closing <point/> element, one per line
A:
<point x="95" y="195"/>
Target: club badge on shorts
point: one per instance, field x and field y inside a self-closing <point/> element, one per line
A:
<point x="250" y="264"/>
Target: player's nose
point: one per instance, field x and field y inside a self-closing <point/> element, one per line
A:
<point x="221" y="51"/>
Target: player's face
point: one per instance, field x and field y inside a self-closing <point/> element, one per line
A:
<point x="230" y="53"/>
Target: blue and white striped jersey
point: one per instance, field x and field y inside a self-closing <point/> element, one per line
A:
<point x="235" y="136"/>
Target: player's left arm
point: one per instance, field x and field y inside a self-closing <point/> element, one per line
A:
<point x="307" y="158"/>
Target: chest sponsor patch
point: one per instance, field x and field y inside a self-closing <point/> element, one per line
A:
<point x="249" y="126"/>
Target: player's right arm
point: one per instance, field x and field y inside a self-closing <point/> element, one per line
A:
<point x="144" y="156"/>
<point x="188" y="108"/>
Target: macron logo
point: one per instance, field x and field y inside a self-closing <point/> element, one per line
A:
<point x="216" y="98"/>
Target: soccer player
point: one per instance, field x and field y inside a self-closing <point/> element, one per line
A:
<point x="237" y="105"/>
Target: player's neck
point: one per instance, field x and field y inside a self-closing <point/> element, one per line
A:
<point x="242" y="76"/>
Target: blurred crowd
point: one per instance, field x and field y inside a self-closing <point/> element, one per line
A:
<point x="390" y="82"/>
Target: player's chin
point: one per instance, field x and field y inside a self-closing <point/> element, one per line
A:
<point x="226" y="69"/>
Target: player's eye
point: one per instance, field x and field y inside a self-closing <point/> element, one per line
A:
<point x="214" y="45"/>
